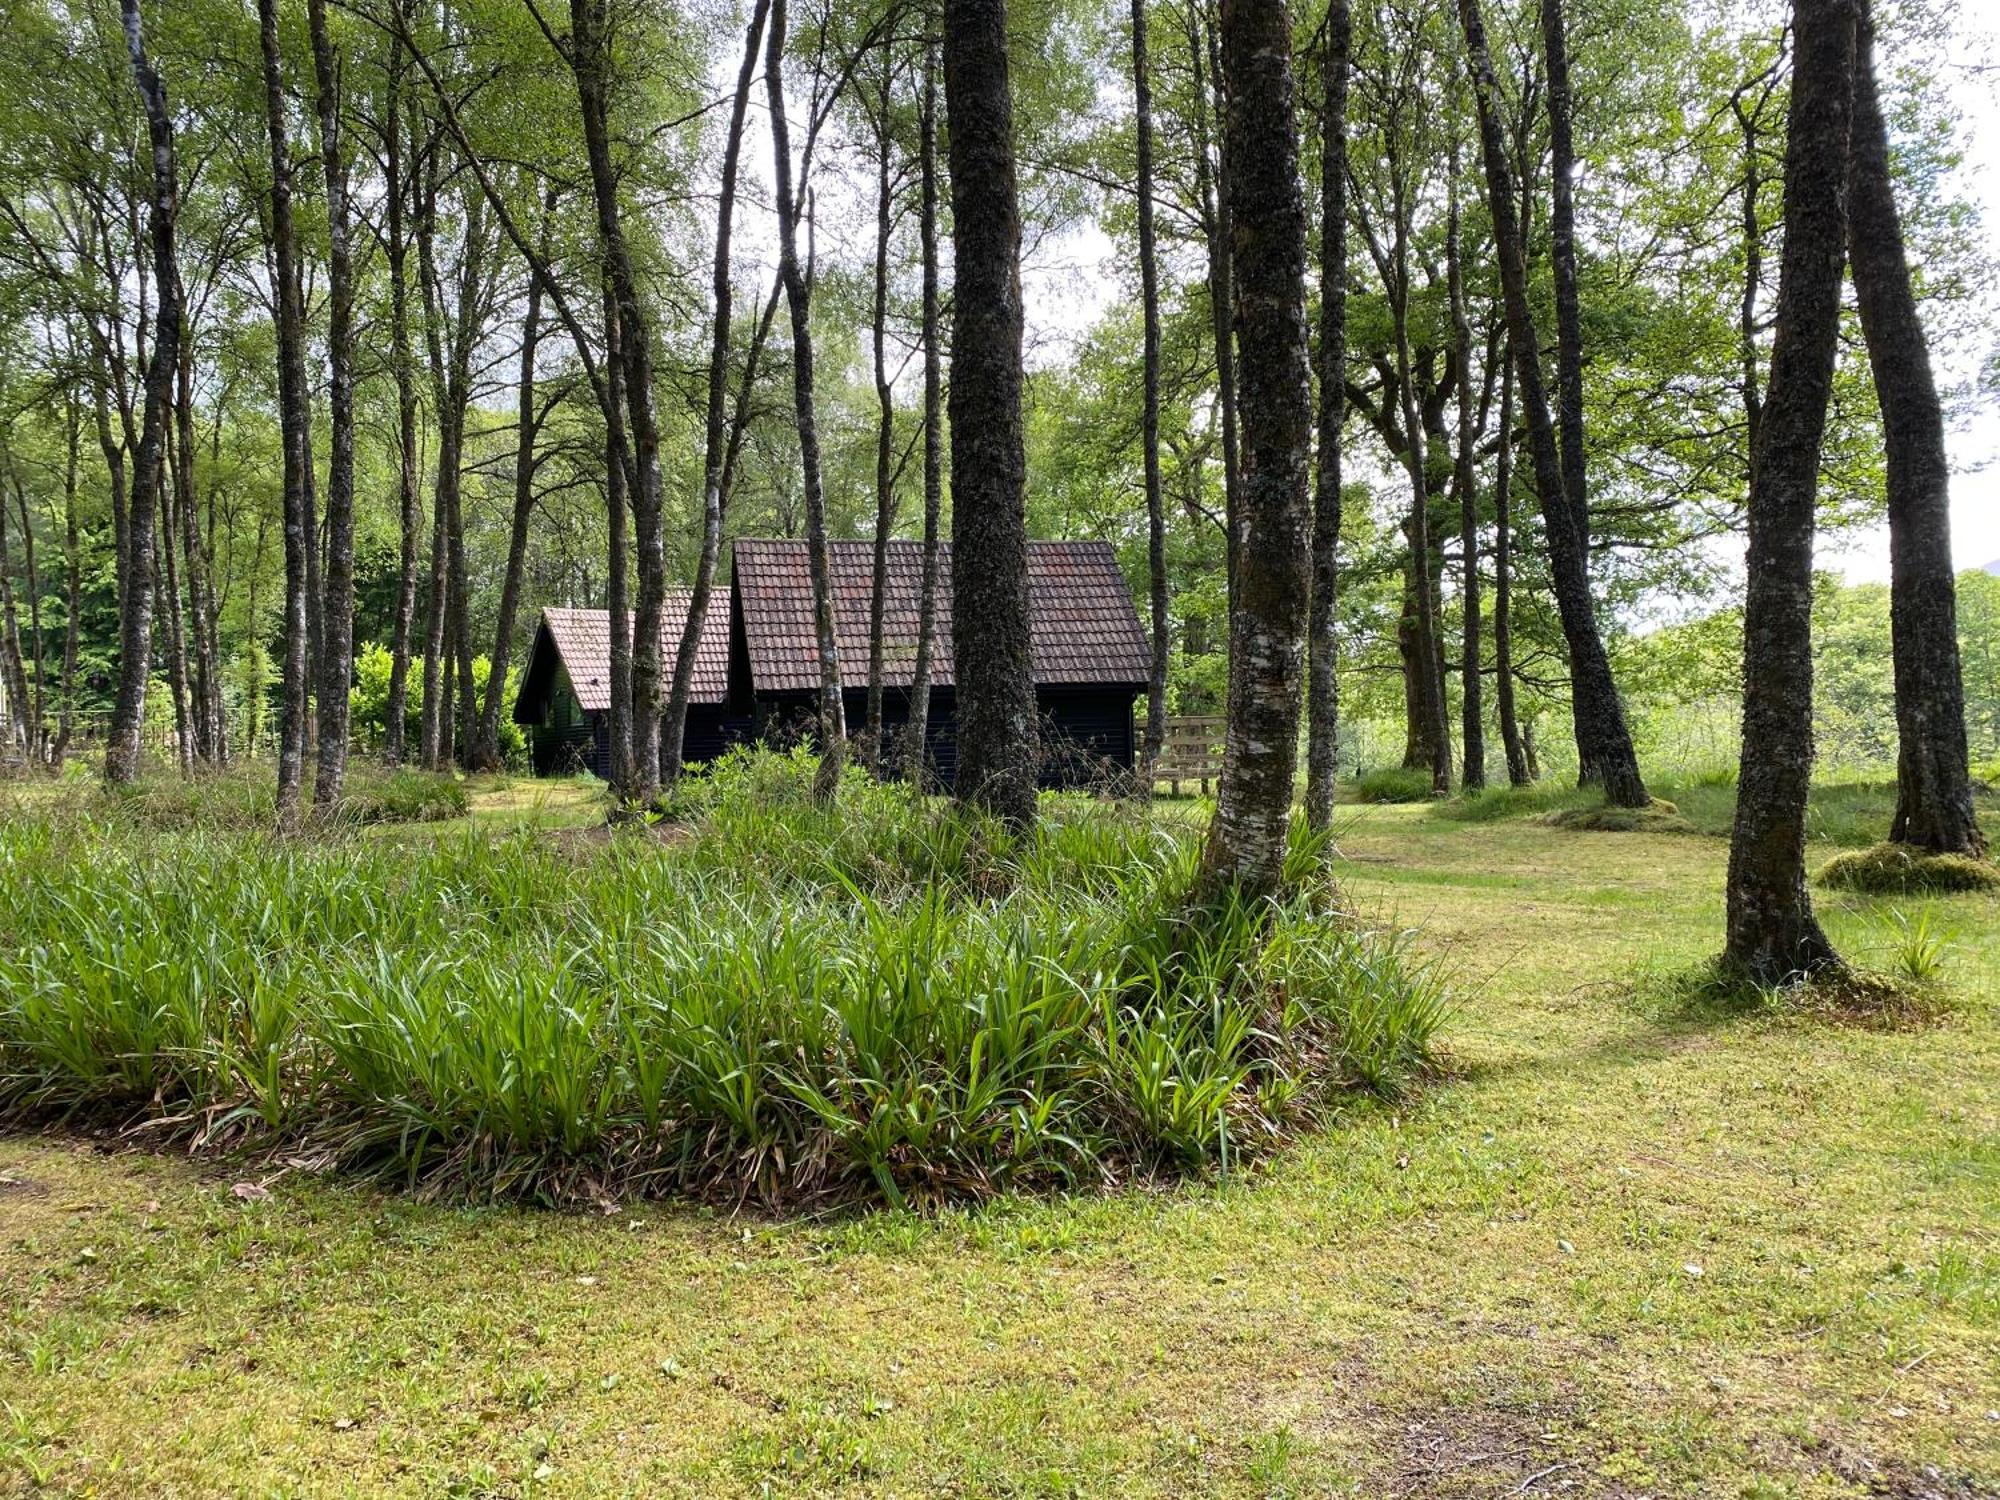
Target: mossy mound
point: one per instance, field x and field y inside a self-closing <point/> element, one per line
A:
<point x="1661" y="817"/>
<point x="1900" y="870"/>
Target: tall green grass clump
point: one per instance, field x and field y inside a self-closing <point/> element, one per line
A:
<point x="876" y="1000"/>
<point x="1395" y="784"/>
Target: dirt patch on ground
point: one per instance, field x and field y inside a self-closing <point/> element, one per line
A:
<point x="15" y="1184"/>
<point x="1893" y="1479"/>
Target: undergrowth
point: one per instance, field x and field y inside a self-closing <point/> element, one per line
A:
<point x="880" y="999"/>
<point x="1890" y="869"/>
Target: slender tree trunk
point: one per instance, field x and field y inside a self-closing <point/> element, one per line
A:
<point x="167" y="582"/>
<point x="590" y="63"/>
<point x="1246" y="844"/>
<point x="72" y="582"/>
<point x="1934" y="808"/>
<point x="13" y="673"/>
<point x="1604" y="742"/>
<point x="1773" y="936"/>
<point x="885" y="426"/>
<point x="207" y="685"/>
<point x="673" y="726"/>
<point x="798" y="297"/>
<point x="1562" y="258"/>
<point x="1416" y="459"/>
<point x="618" y="556"/>
<point x="1472" y="776"/>
<point x="135" y="632"/>
<point x="1753" y="273"/>
<point x="989" y="548"/>
<point x="1503" y="584"/>
<point x="1212" y="188"/>
<point x="486" y="748"/>
<point x="409" y="503"/>
<point x="1322" y="679"/>
<point x="38" y="721"/>
<point x="336" y="643"/>
<point x="435" y="712"/>
<point x="1156" y="512"/>
<point x="918" y="754"/>
<point x="292" y="420"/>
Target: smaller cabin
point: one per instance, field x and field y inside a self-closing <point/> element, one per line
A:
<point x="1089" y="654"/>
<point x="565" y="698"/>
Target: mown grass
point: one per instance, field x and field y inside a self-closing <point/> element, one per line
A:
<point x="1850" y="814"/>
<point x="783" y="1001"/>
<point x="1629" y="1250"/>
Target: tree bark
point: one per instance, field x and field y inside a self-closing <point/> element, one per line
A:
<point x="1472" y="774"/>
<point x="619" y="547"/>
<point x="292" y="421"/>
<point x="590" y="63"/>
<point x="918" y="753"/>
<point x="1212" y="187"/>
<point x="402" y="362"/>
<point x="1604" y="742"/>
<point x="798" y="298"/>
<point x="486" y="749"/>
<point x="135" y="626"/>
<point x="1562" y="260"/>
<point x="989" y="548"/>
<point x="72" y="582"/>
<point x="336" y="641"/>
<point x="167" y="583"/>
<point x="1149" y="305"/>
<point x="13" y="672"/>
<point x="1247" y="842"/>
<point x="1503" y="584"/>
<point x="673" y="726"/>
<point x="211" y="739"/>
<point x="1773" y="936"/>
<point x="885" y="425"/>
<point x="1934" y="808"/>
<point x="1322" y="678"/>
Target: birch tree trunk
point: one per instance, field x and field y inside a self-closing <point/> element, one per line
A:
<point x="1149" y="303"/>
<point x="918" y="753"/>
<point x="292" y="421"/>
<point x="1934" y="808"/>
<point x="135" y="626"/>
<point x="1773" y="936"/>
<point x="409" y="507"/>
<point x="1503" y="584"/>
<point x="527" y="421"/>
<point x="1472" y="774"/>
<point x="590" y="63"/>
<point x="1246" y="844"/>
<point x="1322" y="660"/>
<point x="673" y="726"/>
<point x="989" y="550"/>
<point x="336" y="641"/>
<point x="798" y="298"/>
<point x="885" y="423"/>
<point x="1604" y="742"/>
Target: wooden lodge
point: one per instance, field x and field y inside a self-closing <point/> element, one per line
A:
<point x="757" y="667"/>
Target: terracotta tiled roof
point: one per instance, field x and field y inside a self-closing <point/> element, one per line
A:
<point x="583" y="640"/>
<point x="1084" y="628"/>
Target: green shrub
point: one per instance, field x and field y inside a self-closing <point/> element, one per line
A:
<point x="1395" y="784"/>
<point x="245" y="797"/>
<point x="878" y="999"/>
<point x="1600" y="817"/>
<point x="1494" y="803"/>
<point x="1900" y="870"/>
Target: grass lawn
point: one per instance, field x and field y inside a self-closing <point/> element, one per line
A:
<point x="1632" y="1250"/>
